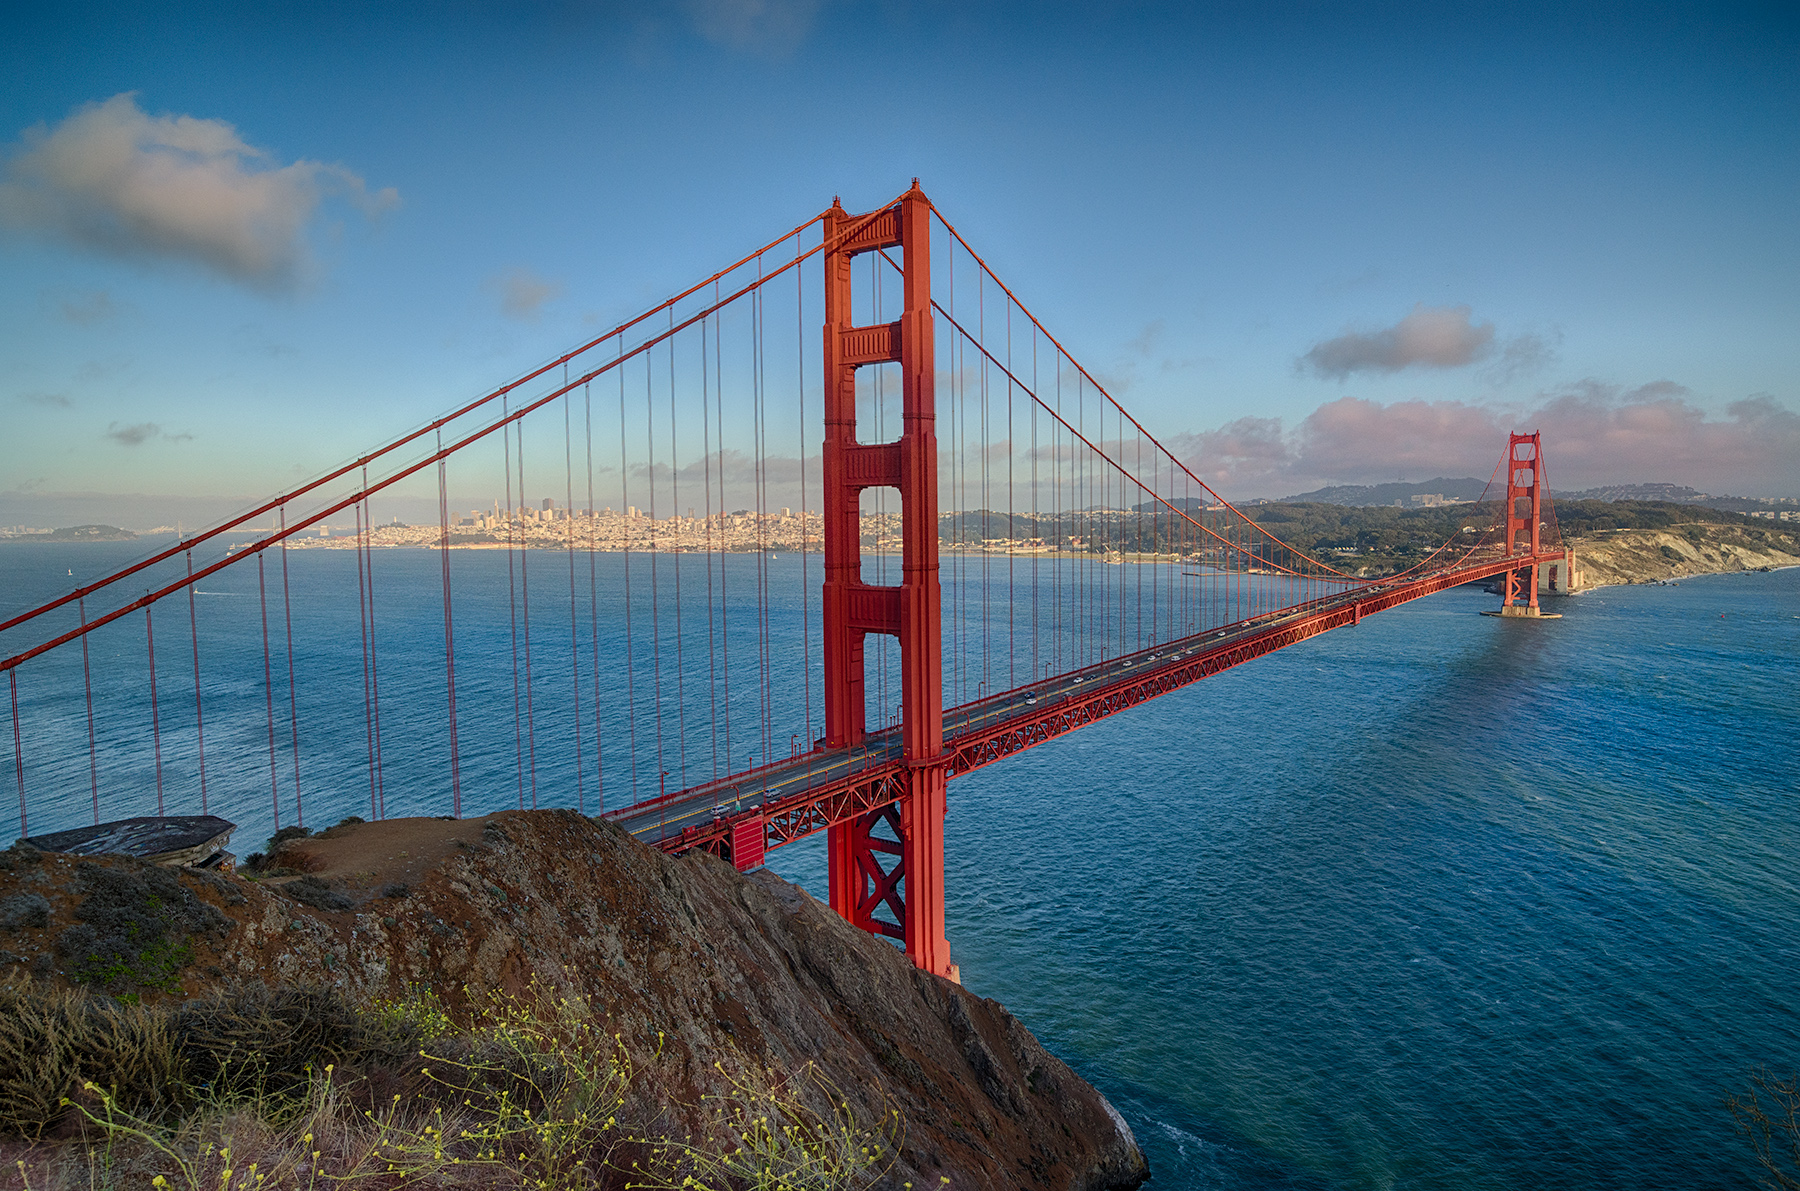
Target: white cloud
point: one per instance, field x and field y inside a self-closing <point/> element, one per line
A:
<point x="87" y="308"/>
<point x="523" y="293"/>
<point x="773" y="28"/>
<point x="113" y="179"/>
<point x="139" y="433"/>
<point x="1429" y="337"/>
<point x="1594" y="433"/>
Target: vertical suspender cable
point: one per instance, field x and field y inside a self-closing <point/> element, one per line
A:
<point x="655" y="585"/>
<point x="287" y="615"/>
<point x="362" y="624"/>
<point x="956" y="503"/>
<point x="525" y="617"/>
<point x="712" y="643"/>
<point x="262" y="593"/>
<point x="1137" y="530"/>
<point x="87" y="686"/>
<point x="675" y="518"/>
<point x="587" y="413"/>
<point x="155" y="718"/>
<point x="199" y="718"/>
<point x="805" y="572"/>
<point x="574" y="636"/>
<point x="512" y="608"/>
<point x="449" y="636"/>
<point x="12" y="680"/>
<point x="1056" y="573"/>
<point x="1012" y="523"/>
<point x="374" y="656"/>
<point x="987" y="533"/>
<point x="1037" y="530"/>
<point x="629" y="523"/>
<point x="724" y="607"/>
<point x="760" y="436"/>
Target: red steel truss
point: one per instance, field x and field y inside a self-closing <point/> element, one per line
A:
<point x="862" y="800"/>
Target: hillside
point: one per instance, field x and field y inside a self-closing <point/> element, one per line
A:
<point x="1615" y="556"/>
<point x="704" y="974"/>
<point x="1466" y="488"/>
<point x="1376" y="540"/>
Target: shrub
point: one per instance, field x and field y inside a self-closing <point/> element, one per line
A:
<point x="265" y="1043"/>
<point x="313" y="892"/>
<point x="133" y="927"/>
<point x="52" y="1042"/>
<point x="769" y="1134"/>
<point x="23" y="910"/>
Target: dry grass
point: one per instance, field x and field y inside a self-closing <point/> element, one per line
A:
<point x="295" y="1089"/>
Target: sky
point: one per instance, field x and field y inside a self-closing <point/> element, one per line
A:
<point x="1305" y="244"/>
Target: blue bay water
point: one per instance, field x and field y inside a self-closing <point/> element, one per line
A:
<point x="1435" y="902"/>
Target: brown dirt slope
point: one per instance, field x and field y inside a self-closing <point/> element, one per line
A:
<point x="749" y="972"/>
<point x="1655" y="555"/>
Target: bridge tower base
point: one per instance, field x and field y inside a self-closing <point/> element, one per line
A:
<point x="910" y="884"/>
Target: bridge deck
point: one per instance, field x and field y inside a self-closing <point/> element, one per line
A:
<point x="808" y="793"/>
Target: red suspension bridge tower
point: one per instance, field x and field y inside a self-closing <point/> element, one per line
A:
<point x="1522" y="519"/>
<point x="911" y="882"/>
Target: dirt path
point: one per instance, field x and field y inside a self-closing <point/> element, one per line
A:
<point x="364" y="858"/>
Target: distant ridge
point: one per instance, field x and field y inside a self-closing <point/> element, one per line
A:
<point x="1677" y="494"/>
<point x="73" y="533"/>
<point x="1669" y="492"/>
<point x="1387" y="494"/>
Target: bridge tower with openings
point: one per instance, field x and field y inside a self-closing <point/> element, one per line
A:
<point x="868" y="868"/>
<point x="1524" y="517"/>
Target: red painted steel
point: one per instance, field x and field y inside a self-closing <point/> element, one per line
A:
<point x="856" y="797"/>
<point x="1523" y="487"/>
<point x="747" y="844"/>
<point x="913" y="889"/>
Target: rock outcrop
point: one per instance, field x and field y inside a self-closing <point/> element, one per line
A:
<point x="747" y="972"/>
<point x="1656" y="555"/>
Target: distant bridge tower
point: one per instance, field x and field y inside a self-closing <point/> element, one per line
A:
<point x="1523" y="517"/>
<point x="913" y="887"/>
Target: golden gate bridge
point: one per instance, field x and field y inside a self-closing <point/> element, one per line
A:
<point x="1002" y="554"/>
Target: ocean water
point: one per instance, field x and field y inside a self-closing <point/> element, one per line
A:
<point x="1440" y="901"/>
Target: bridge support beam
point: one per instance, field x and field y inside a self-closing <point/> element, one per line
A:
<point x="913" y="888"/>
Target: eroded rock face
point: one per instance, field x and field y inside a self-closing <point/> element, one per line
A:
<point x="1657" y="555"/>
<point x="749" y="972"/>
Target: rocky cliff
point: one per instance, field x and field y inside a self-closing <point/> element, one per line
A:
<point x="1654" y="555"/>
<point x="749" y="973"/>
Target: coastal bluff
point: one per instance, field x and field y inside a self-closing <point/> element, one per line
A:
<point x="703" y="973"/>
<point x="1625" y="556"/>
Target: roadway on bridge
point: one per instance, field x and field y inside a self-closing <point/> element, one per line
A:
<point x="662" y="819"/>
